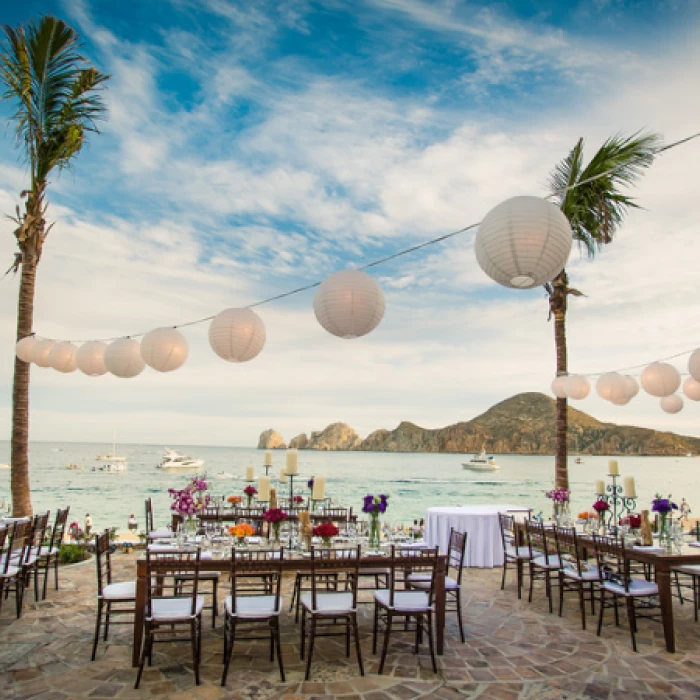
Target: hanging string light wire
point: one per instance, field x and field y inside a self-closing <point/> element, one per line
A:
<point x="398" y="254"/>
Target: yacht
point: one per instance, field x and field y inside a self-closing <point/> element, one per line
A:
<point x="172" y="459"/>
<point x="116" y="467"/>
<point x="111" y="456"/>
<point x="481" y="463"/>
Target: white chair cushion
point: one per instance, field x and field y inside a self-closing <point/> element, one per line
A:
<point x="27" y="559"/>
<point x="690" y="569"/>
<point x="518" y="552"/>
<point x="123" y="590"/>
<point x="404" y="601"/>
<point x="159" y="534"/>
<point x="637" y="587"/>
<point x="423" y="581"/>
<point x="329" y="603"/>
<point x="175" y="609"/>
<point x="549" y="562"/>
<point x="591" y="574"/>
<point x="253" y="606"/>
<point x="45" y="551"/>
<point x="11" y="571"/>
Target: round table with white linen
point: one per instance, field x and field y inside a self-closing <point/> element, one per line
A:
<point x="480" y="522"/>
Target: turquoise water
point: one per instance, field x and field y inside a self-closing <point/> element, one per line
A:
<point x="414" y="482"/>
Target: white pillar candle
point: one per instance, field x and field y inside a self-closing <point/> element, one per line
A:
<point x="629" y="487"/>
<point x="264" y="488"/>
<point x="283" y="476"/>
<point x="268" y="459"/>
<point x="319" y="490"/>
<point x="292" y="462"/>
<point x="249" y="474"/>
<point x="599" y="487"/>
<point x="613" y="469"/>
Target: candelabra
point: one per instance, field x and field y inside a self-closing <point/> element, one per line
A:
<point x="615" y="498"/>
<point x="291" y="501"/>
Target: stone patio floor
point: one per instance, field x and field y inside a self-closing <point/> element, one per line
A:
<point x="513" y="650"/>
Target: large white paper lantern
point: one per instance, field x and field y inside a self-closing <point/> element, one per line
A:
<point x="237" y="335"/>
<point x="660" y="379"/>
<point x="91" y="358"/>
<point x="349" y="303"/>
<point x="691" y="388"/>
<point x="62" y="357"/>
<point x="671" y="403"/>
<point x="23" y="348"/>
<point x="631" y="386"/>
<point x="123" y="358"/>
<point x="620" y="400"/>
<point x="559" y="386"/>
<point x="611" y="386"/>
<point x="40" y="352"/>
<point x="523" y="242"/>
<point x="577" y="387"/>
<point x="694" y="365"/>
<point x="164" y="349"/>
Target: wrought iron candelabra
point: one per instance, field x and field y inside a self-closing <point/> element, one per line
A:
<point x="291" y="501"/>
<point x="618" y="502"/>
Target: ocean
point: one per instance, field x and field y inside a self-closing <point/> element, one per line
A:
<point x="413" y="482"/>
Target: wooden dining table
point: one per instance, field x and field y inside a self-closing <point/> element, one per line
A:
<point x="292" y="563"/>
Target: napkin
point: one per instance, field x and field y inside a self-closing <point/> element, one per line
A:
<point x="649" y="548"/>
<point x="693" y="544"/>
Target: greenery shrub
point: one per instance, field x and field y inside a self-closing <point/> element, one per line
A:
<point x="72" y="554"/>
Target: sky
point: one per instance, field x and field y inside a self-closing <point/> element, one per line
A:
<point x="253" y="148"/>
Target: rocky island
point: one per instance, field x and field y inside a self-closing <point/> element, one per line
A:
<point x="522" y="424"/>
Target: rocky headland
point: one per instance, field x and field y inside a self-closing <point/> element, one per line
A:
<point x="522" y="424"/>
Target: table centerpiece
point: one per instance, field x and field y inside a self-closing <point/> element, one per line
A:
<point x="374" y="506"/>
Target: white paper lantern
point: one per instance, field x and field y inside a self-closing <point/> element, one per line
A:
<point x="41" y="351"/>
<point x="91" y="358"/>
<point x="523" y="242"/>
<point x="694" y="365"/>
<point x="237" y="335"/>
<point x="558" y="386"/>
<point x="620" y="400"/>
<point x="671" y="403"/>
<point x="660" y="379"/>
<point x="164" y="349"/>
<point x="123" y="358"/>
<point x="631" y="386"/>
<point x="62" y="357"/>
<point x="349" y="303"/>
<point x="611" y="386"/>
<point x="577" y="387"/>
<point x="23" y="348"/>
<point x="691" y="388"/>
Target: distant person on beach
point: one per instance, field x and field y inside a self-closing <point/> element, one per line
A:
<point x="685" y="509"/>
<point x="133" y="525"/>
<point x="88" y="524"/>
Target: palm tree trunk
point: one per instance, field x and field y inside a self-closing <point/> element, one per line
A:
<point x="21" y="491"/>
<point x="558" y="305"/>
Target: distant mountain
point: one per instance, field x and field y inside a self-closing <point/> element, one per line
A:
<point x="522" y="424"/>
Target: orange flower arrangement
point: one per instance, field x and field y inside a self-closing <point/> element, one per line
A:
<point x="234" y="499"/>
<point x="242" y="530"/>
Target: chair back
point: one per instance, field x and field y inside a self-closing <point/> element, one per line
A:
<point x="37" y="536"/>
<point x="568" y="548"/>
<point x="611" y="560"/>
<point x="456" y="552"/>
<point x="256" y="572"/>
<point x="208" y="519"/>
<point x="410" y="561"/>
<point x="4" y="532"/>
<point x="173" y="574"/>
<point x="343" y="564"/>
<point x="507" y="525"/>
<point x="59" y="528"/>
<point x="103" y="561"/>
<point x="20" y="539"/>
<point x="149" y="516"/>
<point x="336" y="515"/>
<point x="540" y="540"/>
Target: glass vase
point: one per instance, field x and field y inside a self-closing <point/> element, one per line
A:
<point x="276" y="527"/>
<point x="665" y="536"/>
<point x="374" y="533"/>
<point x="561" y="514"/>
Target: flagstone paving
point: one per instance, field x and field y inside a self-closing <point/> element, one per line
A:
<point x="513" y="650"/>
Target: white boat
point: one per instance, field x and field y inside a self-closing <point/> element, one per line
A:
<point x="481" y="463"/>
<point x="223" y="475"/>
<point x="172" y="459"/>
<point x="112" y="456"/>
<point x="117" y="467"/>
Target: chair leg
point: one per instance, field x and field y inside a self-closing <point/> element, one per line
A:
<point x="144" y="653"/>
<point x="532" y="582"/>
<point x="311" y="647"/>
<point x="279" y="648"/>
<point x="195" y="651"/>
<point x="678" y="587"/>
<point x="55" y="571"/>
<point x="431" y="644"/>
<point x="374" y="628"/>
<point x="459" y="615"/>
<point x="561" y="593"/>
<point x="272" y="641"/>
<point x="602" y="608"/>
<point x="347" y="637"/>
<point x="387" y="632"/>
<point x="548" y="588"/>
<point x="582" y="605"/>
<point x="107" y="612"/>
<point x="215" y="604"/>
<point x="228" y="647"/>
<point x="358" y="651"/>
<point x="520" y="569"/>
<point x="419" y="622"/>
<point x="97" y="630"/>
<point x="632" y="621"/>
<point x="303" y="633"/>
<point x="696" y="586"/>
<point x="617" y="614"/>
<point x="503" y="578"/>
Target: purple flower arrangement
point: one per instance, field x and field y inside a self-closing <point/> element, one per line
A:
<point x="374" y="505"/>
<point x="663" y="505"/>
<point x="192" y="499"/>
<point x="559" y="495"/>
<point x="310" y="483"/>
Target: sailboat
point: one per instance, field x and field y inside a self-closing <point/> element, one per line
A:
<point x="111" y="456"/>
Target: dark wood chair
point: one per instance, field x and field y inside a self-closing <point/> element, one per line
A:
<point x="398" y="600"/>
<point x="544" y="560"/>
<point x="173" y="605"/>
<point x="112" y="596"/>
<point x="49" y="555"/>
<point x="326" y="609"/>
<point x="151" y="533"/>
<point x="256" y="578"/>
<point x="615" y="582"/>
<point x="688" y="577"/>
<point x="12" y="577"/>
<point x="36" y="544"/>
<point x="513" y="552"/>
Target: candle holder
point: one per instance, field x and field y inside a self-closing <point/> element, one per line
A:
<point x="615" y="498"/>
<point x="267" y="469"/>
<point x="290" y="477"/>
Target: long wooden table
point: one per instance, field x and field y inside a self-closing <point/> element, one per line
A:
<point x="292" y="565"/>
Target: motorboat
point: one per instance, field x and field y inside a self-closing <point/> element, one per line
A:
<point x="116" y="467"/>
<point x="481" y="463"/>
<point x="172" y="459"/>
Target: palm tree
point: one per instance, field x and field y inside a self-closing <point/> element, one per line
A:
<point x="592" y="202"/>
<point x="53" y="90"/>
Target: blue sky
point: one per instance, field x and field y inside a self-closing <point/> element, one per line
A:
<point x="254" y="147"/>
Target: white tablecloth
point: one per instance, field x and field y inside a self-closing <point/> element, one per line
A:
<point x="480" y="522"/>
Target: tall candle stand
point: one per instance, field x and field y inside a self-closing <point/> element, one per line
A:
<point x="615" y="498"/>
<point x="291" y="501"/>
